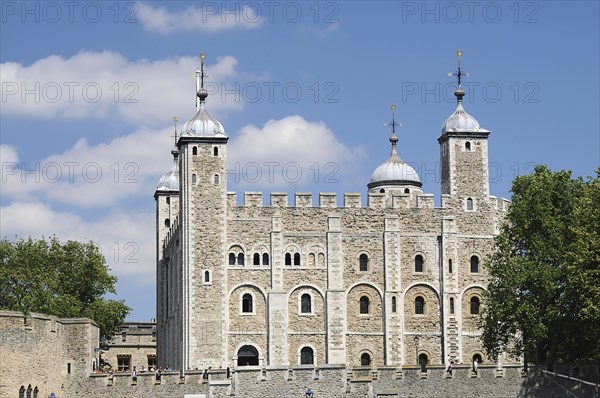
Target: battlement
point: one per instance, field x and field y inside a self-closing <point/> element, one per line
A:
<point x="330" y="200"/>
<point x="173" y="231"/>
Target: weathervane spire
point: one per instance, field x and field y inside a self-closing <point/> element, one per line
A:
<point x="393" y="124"/>
<point x="175" y="120"/>
<point x="459" y="74"/>
<point x="201" y="93"/>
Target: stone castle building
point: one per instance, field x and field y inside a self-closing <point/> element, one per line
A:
<point x="393" y="283"/>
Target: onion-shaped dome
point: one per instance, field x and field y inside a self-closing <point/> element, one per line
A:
<point x="460" y="120"/>
<point x="170" y="180"/>
<point x="394" y="171"/>
<point x="202" y="124"/>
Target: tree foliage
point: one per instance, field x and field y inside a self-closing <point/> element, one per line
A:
<point x="66" y="280"/>
<point x="543" y="299"/>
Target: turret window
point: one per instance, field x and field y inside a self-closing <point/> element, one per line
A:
<point x="194" y="150"/>
<point x="406" y="190"/>
<point x="167" y="222"/>
<point x="474" y="264"/>
<point x="470" y="206"/>
<point x="363" y="263"/>
<point x="216" y="179"/>
<point x="193" y="178"/>
<point x="206" y="276"/>
<point x="216" y="151"/>
<point x="468" y="146"/>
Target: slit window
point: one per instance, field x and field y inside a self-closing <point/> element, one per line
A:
<point x="451" y="306"/>
<point x="206" y="276"/>
<point x="393" y="304"/>
<point x="449" y="266"/>
<point x="216" y="151"/>
<point x="216" y="178"/>
<point x="469" y="204"/>
<point x="193" y="178"/>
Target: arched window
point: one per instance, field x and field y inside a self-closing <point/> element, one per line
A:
<point x="256" y="260"/>
<point x="382" y="190"/>
<point x="365" y="359"/>
<point x="419" y="263"/>
<point x="478" y="358"/>
<point x="193" y="178"/>
<point x="364" y="305"/>
<point x="265" y="259"/>
<point x="474" y="305"/>
<point x="247" y="356"/>
<point x="406" y="190"/>
<point x="393" y="304"/>
<point x="288" y="259"/>
<point x="321" y="260"/>
<point x="423" y="360"/>
<point x="22" y="392"/>
<point x="474" y="264"/>
<point x="247" y="303"/>
<point x="296" y="258"/>
<point x="240" y="259"/>
<point x="468" y="146"/>
<point x="450" y="266"/>
<point x="206" y="276"/>
<point x="216" y="151"/>
<point x="419" y="305"/>
<point x="194" y="150"/>
<point x="305" y="304"/>
<point x="311" y="259"/>
<point x="216" y="179"/>
<point x="231" y="258"/>
<point x="469" y="204"/>
<point x="307" y="356"/>
<point x="363" y="263"/>
<point x="167" y="222"/>
<point x="451" y="305"/>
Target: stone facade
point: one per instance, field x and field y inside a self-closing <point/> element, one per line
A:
<point x="134" y="345"/>
<point x="383" y="284"/>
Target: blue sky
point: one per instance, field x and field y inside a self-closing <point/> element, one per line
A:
<point x="303" y="89"/>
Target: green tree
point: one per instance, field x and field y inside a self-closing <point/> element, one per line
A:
<point x="66" y="280"/>
<point x="544" y="292"/>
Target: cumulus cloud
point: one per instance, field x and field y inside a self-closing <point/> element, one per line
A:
<point x="125" y="238"/>
<point x="108" y="85"/>
<point x="290" y="151"/>
<point x="91" y="175"/>
<point x="209" y="17"/>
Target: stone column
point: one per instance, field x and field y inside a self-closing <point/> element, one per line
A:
<point x="336" y="293"/>
<point x="392" y="274"/>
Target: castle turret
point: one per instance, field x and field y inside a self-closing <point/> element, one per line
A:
<point x="203" y="201"/>
<point x="464" y="153"/>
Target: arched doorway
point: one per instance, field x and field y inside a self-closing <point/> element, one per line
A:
<point x="247" y="356"/>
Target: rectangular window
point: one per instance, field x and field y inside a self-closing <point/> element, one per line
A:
<point x="151" y="361"/>
<point x="68" y="368"/>
<point x="124" y="363"/>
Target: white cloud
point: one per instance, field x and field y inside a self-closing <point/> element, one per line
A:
<point x="91" y="176"/>
<point x="125" y="237"/>
<point x="290" y="151"/>
<point x="107" y="85"/>
<point x="209" y="17"/>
